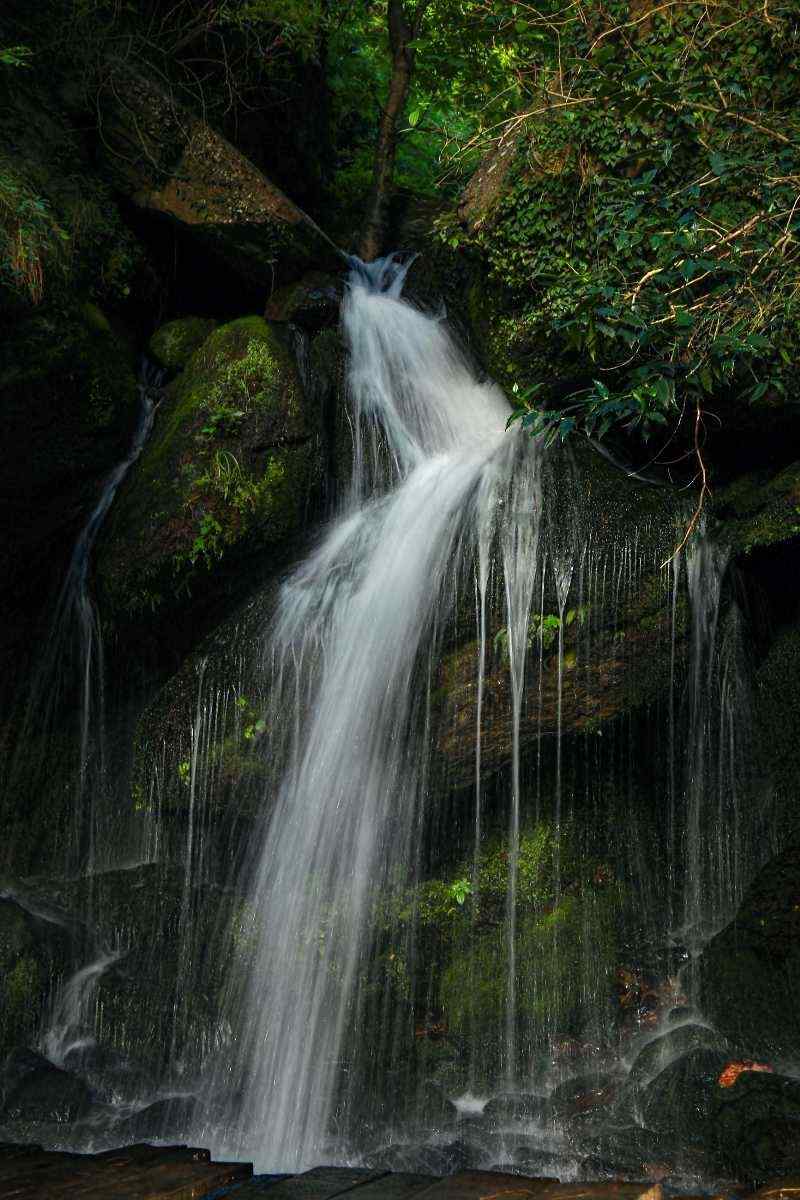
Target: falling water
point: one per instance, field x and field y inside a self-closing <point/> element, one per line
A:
<point x="358" y="617"/>
<point x="75" y="643"/>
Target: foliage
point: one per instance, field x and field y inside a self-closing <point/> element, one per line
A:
<point x="15" y="56"/>
<point x="30" y="236"/>
<point x="649" y="239"/>
<point x="543" y="628"/>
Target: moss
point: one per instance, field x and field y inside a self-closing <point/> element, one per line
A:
<point x="557" y="983"/>
<point x="229" y="465"/>
<point x="22" y="986"/>
<point x="173" y="344"/>
<point x="759" y="510"/>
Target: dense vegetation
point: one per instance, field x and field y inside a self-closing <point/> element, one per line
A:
<point x="645" y="236"/>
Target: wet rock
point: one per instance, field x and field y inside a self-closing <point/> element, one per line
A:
<point x="112" y="1077"/>
<point x="517" y="1106"/>
<point x="33" y="956"/>
<point x="749" y="975"/>
<point x="433" y="1104"/>
<point x="312" y="302"/>
<point x="20" y="1063"/>
<point x="629" y="1149"/>
<point x="584" y="1094"/>
<point x="663" y="1050"/>
<point x="680" y="1100"/>
<point x="426" y="1158"/>
<point x="45" y="1093"/>
<point x="756" y="1125"/>
<point x="163" y="1118"/>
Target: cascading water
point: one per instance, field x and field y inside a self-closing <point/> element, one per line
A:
<point x="359" y="617"/>
<point x="444" y="501"/>
<point x="471" y="686"/>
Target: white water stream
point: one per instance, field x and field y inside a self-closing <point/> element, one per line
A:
<point x="432" y="462"/>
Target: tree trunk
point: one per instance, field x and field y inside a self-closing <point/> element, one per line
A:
<point x="401" y="35"/>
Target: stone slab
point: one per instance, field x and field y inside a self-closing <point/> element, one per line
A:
<point x="138" y="1172"/>
<point x="321" y="1183"/>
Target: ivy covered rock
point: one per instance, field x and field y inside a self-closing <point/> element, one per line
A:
<point x="749" y="974"/>
<point x="229" y="473"/>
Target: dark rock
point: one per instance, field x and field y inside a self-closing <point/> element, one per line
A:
<point x="517" y="1106"/>
<point x="663" y="1050"/>
<point x="162" y="1118"/>
<point x="219" y="482"/>
<point x="583" y="1094"/>
<point x="312" y="302"/>
<point x="46" y="1093"/>
<point x="173" y="344"/>
<point x="680" y="1100"/>
<point x="425" y="1159"/>
<point x="433" y="1104"/>
<point x="171" y="162"/>
<point x="756" y="1126"/>
<point x="20" y="1063"/>
<point x="630" y="1149"/>
<point x="112" y="1077"/>
<point x="33" y="955"/>
<point x="749" y="974"/>
<point x="681" y="1013"/>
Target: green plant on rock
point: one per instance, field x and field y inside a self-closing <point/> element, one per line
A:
<point x="30" y="236"/>
<point x="15" y="56"/>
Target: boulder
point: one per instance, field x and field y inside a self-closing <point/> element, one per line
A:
<point x="756" y="1126"/>
<point x="167" y="1117"/>
<point x="231" y="468"/>
<point x="680" y="1100"/>
<point x="173" y="344"/>
<point x="659" y="1053"/>
<point x="517" y="1106"/>
<point x="46" y="1093"/>
<point x="171" y="162"/>
<point x="749" y="974"/>
<point x="584" y="1094"/>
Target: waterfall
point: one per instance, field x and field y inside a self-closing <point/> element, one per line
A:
<point x="71" y="672"/>
<point x="355" y="623"/>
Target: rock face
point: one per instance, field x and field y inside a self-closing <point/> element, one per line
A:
<point x="44" y="1093"/>
<point x="749" y="974"/>
<point x="231" y="469"/>
<point x="169" y="161"/>
<point x="33" y="955"/>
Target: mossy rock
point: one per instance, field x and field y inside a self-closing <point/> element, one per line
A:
<point x="229" y="472"/>
<point x="759" y="510"/>
<point x="173" y="344"/>
<point x="33" y="955"/>
<point x="559" y="987"/>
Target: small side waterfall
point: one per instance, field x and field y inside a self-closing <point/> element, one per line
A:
<point x="71" y="672"/>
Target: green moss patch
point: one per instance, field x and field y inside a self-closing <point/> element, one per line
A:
<point x="229" y="465"/>
<point x="173" y="344"/>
